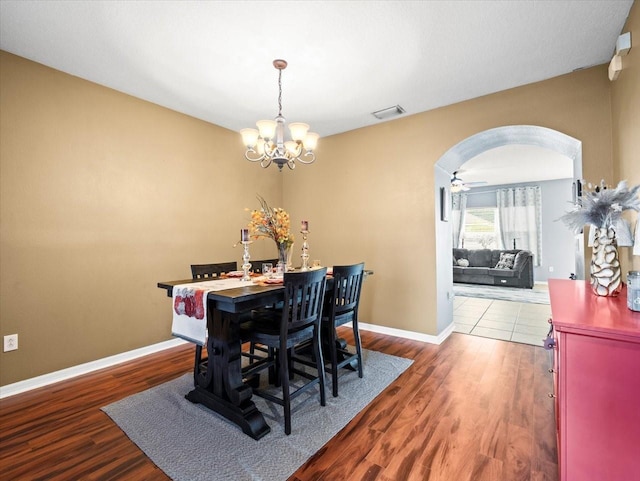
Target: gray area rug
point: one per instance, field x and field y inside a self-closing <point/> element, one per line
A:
<point x="537" y="295"/>
<point x="191" y="443"/>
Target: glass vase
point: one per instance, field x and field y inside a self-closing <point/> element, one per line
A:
<point x="289" y="258"/>
<point x="282" y="257"/>
<point x="606" y="275"/>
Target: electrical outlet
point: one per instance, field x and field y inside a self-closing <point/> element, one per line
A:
<point x="10" y="342"/>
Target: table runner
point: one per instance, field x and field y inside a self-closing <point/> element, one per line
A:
<point x="189" y="307"/>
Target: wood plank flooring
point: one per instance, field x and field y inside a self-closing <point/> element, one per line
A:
<point x="471" y="409"/>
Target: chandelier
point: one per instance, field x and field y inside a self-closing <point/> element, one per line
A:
<point x="267" y="144"/>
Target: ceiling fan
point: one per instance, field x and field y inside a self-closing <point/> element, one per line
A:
<point x="457" y="184"/>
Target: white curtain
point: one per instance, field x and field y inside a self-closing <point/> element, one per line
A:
<point x="519" y="213"/>
<point x="458" y="209"/>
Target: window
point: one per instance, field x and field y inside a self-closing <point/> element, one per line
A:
<point x="481" y="229"/>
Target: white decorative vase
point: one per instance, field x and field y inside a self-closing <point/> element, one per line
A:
<point x="606" y="276"/>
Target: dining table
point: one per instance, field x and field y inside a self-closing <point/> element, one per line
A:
<point x="218" y="383"/>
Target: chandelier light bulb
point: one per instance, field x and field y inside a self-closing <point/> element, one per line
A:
<point x="298" y="131"/>
<point x="267" y="128"/>
<point x="291" y="146"/>
<point x="249" y="137"/>
<point x="311" y="141"/>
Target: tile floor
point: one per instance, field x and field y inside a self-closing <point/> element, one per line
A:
<point x="510" y="321"/>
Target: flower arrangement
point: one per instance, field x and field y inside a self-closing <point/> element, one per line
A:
<point x="272" y="222"/>
<point x="603" y="208"/>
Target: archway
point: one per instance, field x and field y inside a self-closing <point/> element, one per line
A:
<point x="466" y="150"/>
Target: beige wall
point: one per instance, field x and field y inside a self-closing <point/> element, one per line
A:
<point x="370" y="195"/>
<point x="625" y="109"/>
<point x="103" y="195"/>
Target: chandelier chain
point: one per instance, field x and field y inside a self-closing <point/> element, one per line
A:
<point x="280" y="92"/>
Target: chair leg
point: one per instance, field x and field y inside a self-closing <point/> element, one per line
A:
<point x="286" y="395"/>
<point x="333" y="350"/>
<point x="319" y="365"/>
<point x="274" y="369"/>
<point x="356" y="336"/>
<point x="290" y="363"/>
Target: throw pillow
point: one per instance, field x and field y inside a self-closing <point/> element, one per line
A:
<point x="463" y="262"/>
<point x="506" y="261"/>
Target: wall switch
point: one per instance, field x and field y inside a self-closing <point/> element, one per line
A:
<point x="10" y="342"/>
<point x="550" y="268"/>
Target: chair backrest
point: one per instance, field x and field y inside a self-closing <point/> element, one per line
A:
<point x="303" y="299"/>
<point x="344" y="297"/>
<point x="257" y="265"/>
<point x="200" y="271"/>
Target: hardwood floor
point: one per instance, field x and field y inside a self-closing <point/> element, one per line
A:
<point x="471" y="409"/>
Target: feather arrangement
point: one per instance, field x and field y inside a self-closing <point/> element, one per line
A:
<point x="603" y="208"/>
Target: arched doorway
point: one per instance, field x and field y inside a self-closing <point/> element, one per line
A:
<point x="466" y="150"/>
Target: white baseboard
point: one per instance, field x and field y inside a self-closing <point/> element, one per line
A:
<point x="415" y="336"/>
<point x="46" y="379"/>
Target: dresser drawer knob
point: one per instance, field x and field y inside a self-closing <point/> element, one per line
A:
<point x="551" y="395"/>
<point x="552" y="370"/>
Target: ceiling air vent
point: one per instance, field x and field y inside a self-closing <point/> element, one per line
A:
<point x="388" y="112"/>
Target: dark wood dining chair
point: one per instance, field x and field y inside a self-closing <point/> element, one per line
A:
<point x="201" y="271"/>
<point x="342" y="302"/>
<point x="282" y="330"/>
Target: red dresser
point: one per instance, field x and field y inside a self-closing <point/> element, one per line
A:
<point x="597" y="383"/>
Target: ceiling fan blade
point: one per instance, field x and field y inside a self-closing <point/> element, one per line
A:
<point x="479" y="182"/>
<point x="461" y="185"/>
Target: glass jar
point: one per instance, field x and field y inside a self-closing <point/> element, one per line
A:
<point x="633" y="290"/>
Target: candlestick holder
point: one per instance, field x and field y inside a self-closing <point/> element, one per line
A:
<point x="246" y="266"/>
<point x="305" y="251"/>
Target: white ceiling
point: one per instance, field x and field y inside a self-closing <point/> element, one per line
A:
<point x="514" y="164"/>
<point x="213" y="59"/>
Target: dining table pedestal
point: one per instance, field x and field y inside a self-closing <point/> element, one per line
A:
<point x="218" y="381"/>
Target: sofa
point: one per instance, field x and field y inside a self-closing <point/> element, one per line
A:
<point x="512" y="268"/>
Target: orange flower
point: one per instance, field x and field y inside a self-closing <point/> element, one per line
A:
<point x="271" y="222"/>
